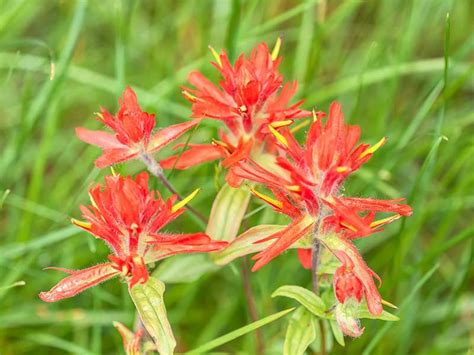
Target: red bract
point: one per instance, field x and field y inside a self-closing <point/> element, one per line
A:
<point x="129" y="218"/>
<point x="131" y="341"/>
<point x="249" y="100"/>
<point x="132" y="129"/>
<point x="307" y="188"/>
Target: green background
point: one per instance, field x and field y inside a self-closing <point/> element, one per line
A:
<point x="385" y="61"/>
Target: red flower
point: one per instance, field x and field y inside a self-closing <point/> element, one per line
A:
<point x="132" y="342"/>
<point x="133" y="132"/>
<point x="309" y="178"/>
<point x="129" y="218"/>
<point x="249" y="99"/>
<point x="307" y="188"/>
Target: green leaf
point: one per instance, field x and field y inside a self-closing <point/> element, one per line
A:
<point x="148" y="299"/>
<point x="364" y="313"/>
<point x="184" y="268"/>
<point x="305" y="297"/>
<point x="337" y="332"/>
<point x="239" y="332"/>
<point x="300" y="332"/>
<point x="244" y="244"/>
<point x="227" y="213"/>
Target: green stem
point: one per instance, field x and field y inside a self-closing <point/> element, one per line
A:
<point x="316" y="249"/>
<point x="155" y="169"/>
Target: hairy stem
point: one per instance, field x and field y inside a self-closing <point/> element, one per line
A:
<point x="315" y="264"/>
<point x="155" y="169"/>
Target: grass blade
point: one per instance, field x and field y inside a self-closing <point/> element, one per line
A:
<point x="239" y="332"/>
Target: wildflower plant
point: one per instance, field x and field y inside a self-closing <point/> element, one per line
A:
<point x="259" y="151"/>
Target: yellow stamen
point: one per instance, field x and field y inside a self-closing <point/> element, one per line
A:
<point x="216" y="56"/>
<point x="112" y="170"/>
<point x="81" y="224"/>
<point x="342" y="169"/>
<point x="372" y="149"/>
<point x="375" y="224"/>
<point x="391" y="305"/>
<point x="278" y="124"/>
<point x="299" y="126"/>
<point x="268" y="199"/>
<point x="99" y="114"/>
<point x="294" y="188"/>
<point x="348" y="226"/>
<point x="184" y="201"/>
<point x="315" y="116"/>
<point x="278" y="136"/>
<point x="92" y="200"/>
<point x="222" y="144"/>
<point x="189" y="96"/>
<point x="243" y="108"/>
<point x="276" y="49"/>
<point x="124" y="271"/>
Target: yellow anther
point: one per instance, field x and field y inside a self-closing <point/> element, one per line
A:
<point x="348" y="226"/>
<point x="112" y="170"/>
<point x="276" y="49"/>
<point x="293" y="188"/>
<point x="243" y="108"/>
<point x="278" y="136"/>
<point x="99" y="114"/>
<point x="342" y="169"/>
<point x="372" y="149"/>
<point x="299" y="126"/>
<point x="375" y="224"/>
<point x="189" y="96"/>
<point x="92" y="200"/>
<point x="216" y="56"/>
<point x="315" y="116"/>
<point x="81" y="224"/>
<point x="222" y="144"/>
<point x="184" y="201"/>
<point x="268" y="199"/>
<point x="387" y="303"/>
<point x="124" y="271"/>
<point x="278" y="124"/>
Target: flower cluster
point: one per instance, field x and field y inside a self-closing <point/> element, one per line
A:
<point x="258" y="146"/>
<point x="306" y="182"/>
<point x="250" y="101"/>
<point x="133" y="130"/>
<point x="129" y="218"/>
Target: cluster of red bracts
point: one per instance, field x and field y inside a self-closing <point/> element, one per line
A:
<point x="258" y="146"/>
<point x="129" y="218"/>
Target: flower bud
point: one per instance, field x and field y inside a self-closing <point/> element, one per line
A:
<point x="347" y="285"/>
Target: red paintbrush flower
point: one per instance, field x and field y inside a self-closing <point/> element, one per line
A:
<point x="249" y="100"/>
<point x="133" y="132"/>
<point x="129" y="218"/>
<point x="133" y="343"/>
<point x="307" y="188"/>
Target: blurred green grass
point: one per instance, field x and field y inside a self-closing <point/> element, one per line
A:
<point x="384" y="60"/>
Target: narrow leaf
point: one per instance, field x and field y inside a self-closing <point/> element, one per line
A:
<point x="148" y="299"/>
<point x="364" y="313"/>
<point x="337" y="332"/>
<point x="300" y="332"/>
<point x="306" y="298"/>
<point x="227" y="213"/>
<point x="239" y="332"/>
